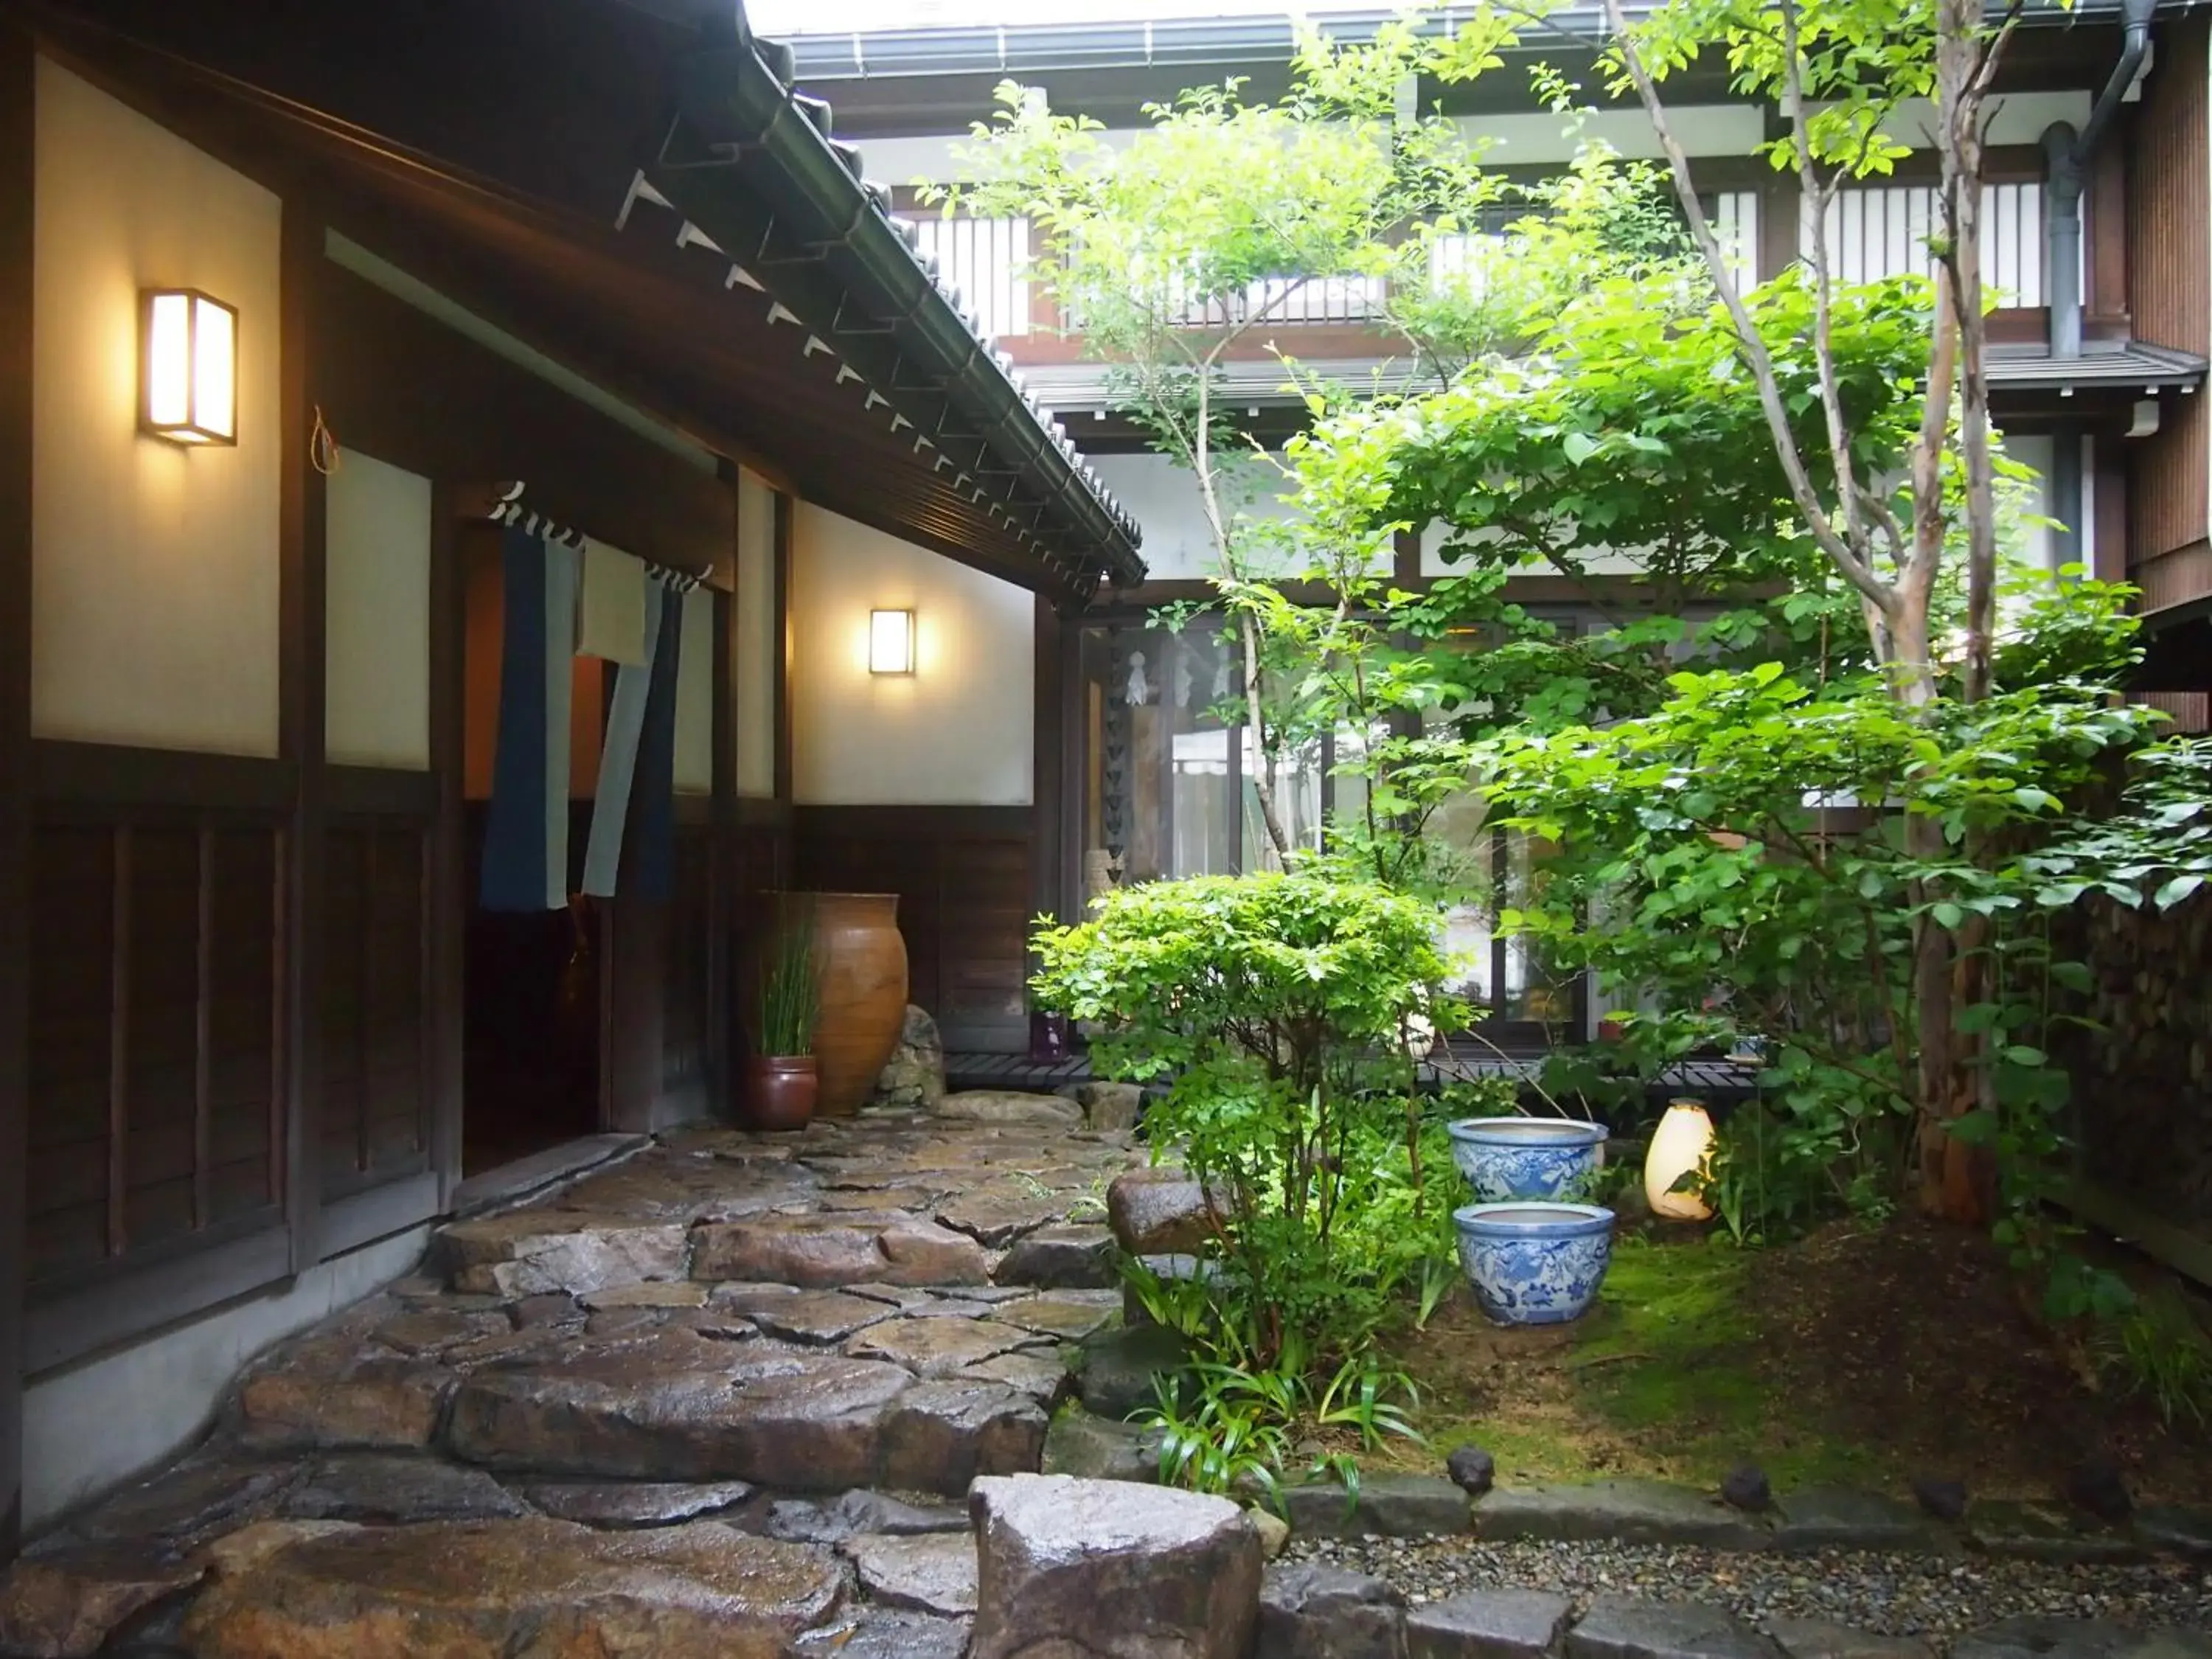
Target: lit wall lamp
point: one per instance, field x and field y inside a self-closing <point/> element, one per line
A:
<point x="187" y="367"/>
<point x="891" y="642"/>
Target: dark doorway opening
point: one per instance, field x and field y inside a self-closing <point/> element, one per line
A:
<point x="534" y="984"/>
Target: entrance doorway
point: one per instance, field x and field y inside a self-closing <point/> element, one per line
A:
<point x="535" y="984"/>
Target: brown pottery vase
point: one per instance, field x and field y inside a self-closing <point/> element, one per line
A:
<point x="860" y="957"/>
<point x="780" y="1090"/>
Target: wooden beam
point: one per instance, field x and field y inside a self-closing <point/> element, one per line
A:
<point x="302" y="677"/>
<point x="18" y="172"/>
<point x="449" y="903"/>
<point x="1048" y="769"/>
<point x="722" y="830"/>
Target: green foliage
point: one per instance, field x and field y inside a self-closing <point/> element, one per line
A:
<point x="2159" y="1350"/>
<point x="1229" y="1428"/>
<point x="790" y="992"/>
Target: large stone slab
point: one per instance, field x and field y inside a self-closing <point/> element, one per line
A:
<point x="1003" y="1106"/>
<point x="542" y="1589"/>
<point x="881" y="1633"/>
<point x="937" y="1347"/>
<point x="1067" y="1256"/>
<point x="2038" y="1636"/>
<point x="1310" y="1610"/>
<point x="857" y="1514"/>
<point x="1071" y="1315"/>
<point x="529" y="1252"/>
<point x="1624" y="1511"/>
<point x="1495" y="1624"/>
<point x="681" y="1407"/>
<point x="941" y="1436"/>
<point x="1102" y="1448"/>
<point x="65" y="1605"/>
<point x="1106" y="1570"/>
<point x="634" y="1503"/>
<point x="923" y="1572"/>
<point x="1388" y="1505"/>
<point x="1626" y="1628"/>
<point x="185" y="1506"/>
<point x="998" y="1213"/>
<point x="1841" y="1518"/>
<point x="820" y="1252"/>
<point x="1814" y="1639"/>
<point x="2046" y="1532"/>
<point x="1040" y="1373"/>
<point x="335" y="1391"/>
<point x="821" y="1316"/>
<point x="384" y="1490"/>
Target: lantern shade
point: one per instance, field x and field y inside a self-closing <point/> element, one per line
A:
<point x="187" y="367"/>
<point x="891" y="642"/>
<point x="1683" y="1143"/>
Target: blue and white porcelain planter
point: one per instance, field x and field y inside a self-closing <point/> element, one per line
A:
<point x="1545" y="1159"/>
<point x="1535" y="1264"/>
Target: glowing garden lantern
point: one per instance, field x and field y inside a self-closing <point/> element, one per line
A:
<point x="1682" y="1146"/>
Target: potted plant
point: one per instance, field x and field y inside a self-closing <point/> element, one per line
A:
<point x="781" y="1078"/>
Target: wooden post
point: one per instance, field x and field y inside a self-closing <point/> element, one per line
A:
<point x="449" y="901"/>
<point x="18" y="165"/>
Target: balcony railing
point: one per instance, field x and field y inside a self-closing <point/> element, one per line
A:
<point x="1877" y="231"/>
<point x="983" y="262"/>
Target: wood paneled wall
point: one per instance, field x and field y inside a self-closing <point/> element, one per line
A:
<point x="2170" y="286"/>
<point x="963" y="877"/>
<point x="376" y="1000"/>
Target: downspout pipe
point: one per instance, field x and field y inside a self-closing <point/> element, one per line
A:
<point x="2066" y="159"/>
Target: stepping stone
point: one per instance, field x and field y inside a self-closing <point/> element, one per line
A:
<point x="66" y="1604"/>
<point x="998" y="1214"/>
<point x="931" y="1573"/>
<point x="681" y="1407"/>
<point x="1309" y="1610"/>
<point x="1814" y="1638"/>
<point x="818" y="1316"/>
<point x="2175" y="1528"/>
<point x="1069" y="1315"/>
<point x="683" y="1191"/>
<point x="907" y="1298"/>
<point x="937" y="1348"/>
<point x="635" y="1503"/>
<point x="941" y="1436"/>
<point x="1041" y="1375"/>
<point x="1102" y="1566"/>
<point x="2046" y="1532"/>
<point x="185" y="1506"/>
<point x="856" y="1513"/>
<point x="878" y="1634"/>
<point x="2041" y="1637"/>
<point x="384" y="1490"/>
<point x="335" y="1391"/>
<point x="425" y="1333"/>
<point x="1838" y="1518"/>
<point x="533" y="1586"/>
<point x="828" y="1252"/>
<point x="918" y="1200"/>
<point x="1101" y="1449"/>
<point x="1001" y="1106"/>
<point x="1625" y="1627"/>
<point x="664" y="1293"/>
<point x="1498" y="1624"/>
<point x="1064" y="1257"/>
<point x="1624" y="1511"/>
<point x="529" y="1252"/>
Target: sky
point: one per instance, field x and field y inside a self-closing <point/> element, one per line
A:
<point x="786" y="18"/>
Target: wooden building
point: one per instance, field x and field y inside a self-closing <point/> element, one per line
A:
<point x="328" y="338"/>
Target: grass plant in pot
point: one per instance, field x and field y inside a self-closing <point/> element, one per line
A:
<point x="781" y="1078"/>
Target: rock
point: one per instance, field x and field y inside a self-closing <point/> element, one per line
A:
<point x="1308" y="1610"/>
<point x="1941" y="1499"/>
<point x="1500" y="1623"/>
<point x="886" y="1635"/>
<point x="1120" y="1367"/>
<point x="65" y="1605"/>
<point x="997" y="1214"/>
<point x="2045" y="1532"/>
<point x="1110" y="1106"/>
<point x="1007" y="1107"/>
<point x="1838" y="1518"/>
<point x="1812" y="1638"/>
<point x="237" y="1551"/>
<point x="548" y="1308"/>
<point x="1101" y="1449"/>
<point x="1071" y="1315"/>
<point x="1108" y="1569"/>
<point x="1274" y="1531"/>
<point x="1472" y="1469"/>
<point x="1040" y="1373"/>
<point x="1388" y="1505"/>
<point x="828" y="1252"/>
<point x="199" y="1499"/>
<point x="2176" y="1528"/>
<point x="2041" y="1637"/>
<point x="681" y="1407"/>
<point x="2096" y="1486"/>
<point x="333" y="1393"/>
<point x="937" y="1348"/>
<point x="821" y="1316"/>
<point x="942" y="1435"/>
<point x="383" y="1490"/>
<point x="428" y="1332"/>
<point x="856" y="1513"/>
<point x="1065" y="1257"/>
<point x="1622" y="1511"/>
<point x="929" y="1572"/>
<point x="669" y="1293"/>
<point x="914" y="1077"/>
<point x="530" y="1251"/>
<point x="635" y="1503"/>
<point x="1162" y="1212"/>
<point x="1623" y="1627"/>
<point x="698" y="1591"/>
<point x="1745" y="1487"/>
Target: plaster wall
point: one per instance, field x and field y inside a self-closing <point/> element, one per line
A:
<point x="154" y="592"/>
<point x="753" y="683"/>
<point x="377" y="614"/>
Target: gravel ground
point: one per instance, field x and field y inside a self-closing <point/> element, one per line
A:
<point x="1934" y="1596"/>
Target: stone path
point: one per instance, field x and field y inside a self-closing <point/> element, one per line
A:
<point x="662" y="1411"/>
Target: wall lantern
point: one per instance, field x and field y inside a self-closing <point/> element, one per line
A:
<point x="1683" y="1143"/>
<point x="187" y="367"/>
<point x="891" y="642"/>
